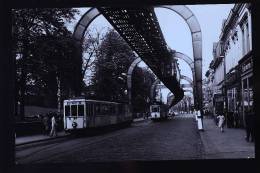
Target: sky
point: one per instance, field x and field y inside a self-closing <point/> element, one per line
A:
<point x="177" y="34"/>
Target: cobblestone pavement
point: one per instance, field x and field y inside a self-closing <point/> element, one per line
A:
<point x="174" y="139"/>
<point x="228" y="145"/>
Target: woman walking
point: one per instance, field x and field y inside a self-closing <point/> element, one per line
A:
<point x="221" y="120"/>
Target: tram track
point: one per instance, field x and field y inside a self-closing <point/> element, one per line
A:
<point x="54" y="146"/>
<point x="79" y="144"/>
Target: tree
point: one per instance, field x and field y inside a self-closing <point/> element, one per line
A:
<point x="113" y="59"/>
<point x="143" y="79"/>
<point x="28" y="26"/>
<point x="60" y="62"/>
<point x="90" y="47"/>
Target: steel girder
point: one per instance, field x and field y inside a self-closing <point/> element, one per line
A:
<point x="83" y="24"/>
<point x="196" y="35"/>
<point x="187" y="79"/>
<point x="152" y="90"/>
<point x="186" y="85"/>
<point x="129" y="80"/>
<point x="190" y="62"/>
<point x="138" y="60"/>
<point x="181" y="10"/>
<point x="153" y="87"/>
<point x="140" y="29"/>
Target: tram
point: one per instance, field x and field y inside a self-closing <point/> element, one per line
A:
<point x="158" y="112"/>
<point x="81" y="113"/>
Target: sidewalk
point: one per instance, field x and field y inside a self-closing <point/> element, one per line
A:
<point x="139" y="119"/>
<point x="229" y="144"/>
<point x="21" y="140"/>
<point x="37" y="138"/>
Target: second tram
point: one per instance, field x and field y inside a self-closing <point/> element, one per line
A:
<point x="158" y="112"/>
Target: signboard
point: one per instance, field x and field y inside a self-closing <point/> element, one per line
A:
<point x="247" y="65"/>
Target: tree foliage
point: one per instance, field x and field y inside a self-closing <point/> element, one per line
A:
<point x="41" y="42"/>
<point x="109" y="80"/>
<point x="113" y="59"/>
<point x="142" y="82"/>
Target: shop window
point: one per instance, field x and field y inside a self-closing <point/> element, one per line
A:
<point x="232" y="96"/>
<point x="250" y="90"/>
<point x="245" y="94"/>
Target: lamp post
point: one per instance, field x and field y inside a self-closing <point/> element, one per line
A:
<point x="225" y="90"/>
<point x="123" y="78"/>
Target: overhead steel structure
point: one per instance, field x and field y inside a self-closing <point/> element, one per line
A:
<point x="175" y="54"/>
<point x="140" y="29"/>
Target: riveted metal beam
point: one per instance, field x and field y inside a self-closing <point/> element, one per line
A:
<point x="196" y="35"/>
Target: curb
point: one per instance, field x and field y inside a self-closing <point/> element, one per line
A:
<point x="140" y="120"/>
<point x="50" y="138"/>
<point x="41" y="140"/>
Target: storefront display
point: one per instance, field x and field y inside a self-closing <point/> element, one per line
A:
<point x="246" y="66"/>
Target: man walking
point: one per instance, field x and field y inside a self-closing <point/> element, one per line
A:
<point x="53" y="127"/>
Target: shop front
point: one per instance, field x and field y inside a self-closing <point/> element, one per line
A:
<point x="218" y="101"/>
<point x="233" y="97"/>
<point x="246" y="67"/>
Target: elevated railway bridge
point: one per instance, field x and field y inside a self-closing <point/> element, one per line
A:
<point x="139" y="27"/>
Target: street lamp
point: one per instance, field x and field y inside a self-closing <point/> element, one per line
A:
<point x="123" y="79"/>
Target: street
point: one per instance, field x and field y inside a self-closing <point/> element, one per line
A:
<point x="174" y="139"/>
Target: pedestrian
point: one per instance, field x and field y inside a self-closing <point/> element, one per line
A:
<point x="147" y="115"/>
<point x="229" y="119"/>
<point x="53" y="127"/>
<point x="249" y="122"/>
<point x="236" y="119"/>
<point x="216" y="119"/>
<point x="46" y="124"/>
<point x="221" y="120"/>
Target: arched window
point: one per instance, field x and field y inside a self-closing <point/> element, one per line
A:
<point x="245" y="34"/>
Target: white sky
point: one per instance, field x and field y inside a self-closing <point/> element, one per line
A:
<point x="177" y="34"/>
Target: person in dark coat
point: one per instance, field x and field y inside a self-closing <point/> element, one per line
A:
<point x="46" y="124"/>
<point x="236" y="119"/>
<point x="250" y="125"/>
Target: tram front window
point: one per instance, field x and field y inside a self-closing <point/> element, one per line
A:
<point x="67" y="110"/>
<point x="80" y="110"/>
<point x="155" y="109"/>
<point x="73" y="110"/>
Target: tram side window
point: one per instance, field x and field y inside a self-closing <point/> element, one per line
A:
<point x="103" y="109"/>
<point x="67" y="110"/>
<point x="113" y="109"/>
<point x="80" y="110"/>
<point x="120" y="109"/>
<point x="73" y="110"/>
<point x="89" y="113"/>
<point x="97" y="105"/>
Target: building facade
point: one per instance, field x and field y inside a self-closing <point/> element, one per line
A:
<point x="232" y="66"/>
